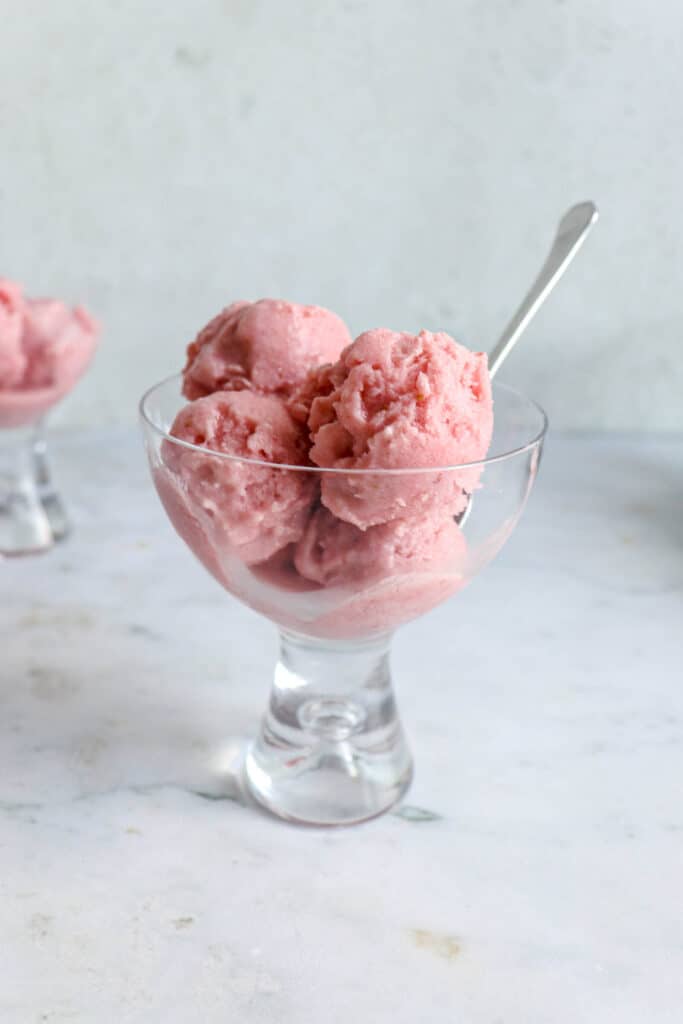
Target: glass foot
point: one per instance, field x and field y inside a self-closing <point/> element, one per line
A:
<point x="331" y="750"/>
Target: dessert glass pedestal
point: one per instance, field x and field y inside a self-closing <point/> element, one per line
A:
<point x="331" y="748"/>
<point x="32" y="515"/>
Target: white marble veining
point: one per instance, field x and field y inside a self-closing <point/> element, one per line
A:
<point x="532" y="878"/>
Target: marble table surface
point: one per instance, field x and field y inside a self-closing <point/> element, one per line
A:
<point x="533" y="875"/>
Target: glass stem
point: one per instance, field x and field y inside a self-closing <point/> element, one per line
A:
<point x="49" y="498"/>
<point x="331" y="748"/>
<point x="24" y="524"/>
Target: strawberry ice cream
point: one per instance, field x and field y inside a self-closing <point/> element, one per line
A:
<point x="400" y="402"/>
<point x="266" y="346"/>
<point x="353" y="607"/>
<point x="249" y="509"/>
<point x="44" y="348"/>
<point x="332" y="552"/>
<point x="386" y="604"/>
<point x="316" y="480"/>
<point x="58" y="341"/>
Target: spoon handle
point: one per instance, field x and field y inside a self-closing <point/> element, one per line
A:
<point x="571" y="233"/>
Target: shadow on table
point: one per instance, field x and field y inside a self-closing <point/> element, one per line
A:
<point x="70" y="730"/>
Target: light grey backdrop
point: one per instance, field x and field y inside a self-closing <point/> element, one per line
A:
<point x="402" y="162"/>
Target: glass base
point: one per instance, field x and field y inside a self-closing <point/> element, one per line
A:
<point x="32" y="516"/>
<point x="331" y="750"/>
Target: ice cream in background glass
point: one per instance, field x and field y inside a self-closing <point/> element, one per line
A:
<point x="324" y="483"/>
<point x="45" y="347"/>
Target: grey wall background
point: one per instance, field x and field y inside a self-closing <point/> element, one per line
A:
<point x="403" y="163"/>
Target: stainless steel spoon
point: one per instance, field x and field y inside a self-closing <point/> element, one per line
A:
<point x="571" y="233"/>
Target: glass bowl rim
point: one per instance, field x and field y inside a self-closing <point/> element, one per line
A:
<point x="534" y="442"/>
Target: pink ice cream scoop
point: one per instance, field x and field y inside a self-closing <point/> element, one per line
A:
<point x="239" y="507"/>
<point x="400" y="402"/>
<point x="266" y="346"/>
<point x="333" y="552"/>
<point x="386" y="574"/>
<point x="44" y="348"/>
<point x="59" y="343"/>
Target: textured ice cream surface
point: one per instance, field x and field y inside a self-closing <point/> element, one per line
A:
<point x="267" y="346"/>
<point x="317" y="386"/>
<point x="44" y="348"/>
<point x="333" y="552"/>
<point x="243" y="507"/>
<point x="399" y="401"/>
<point x="58" y="341"/>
